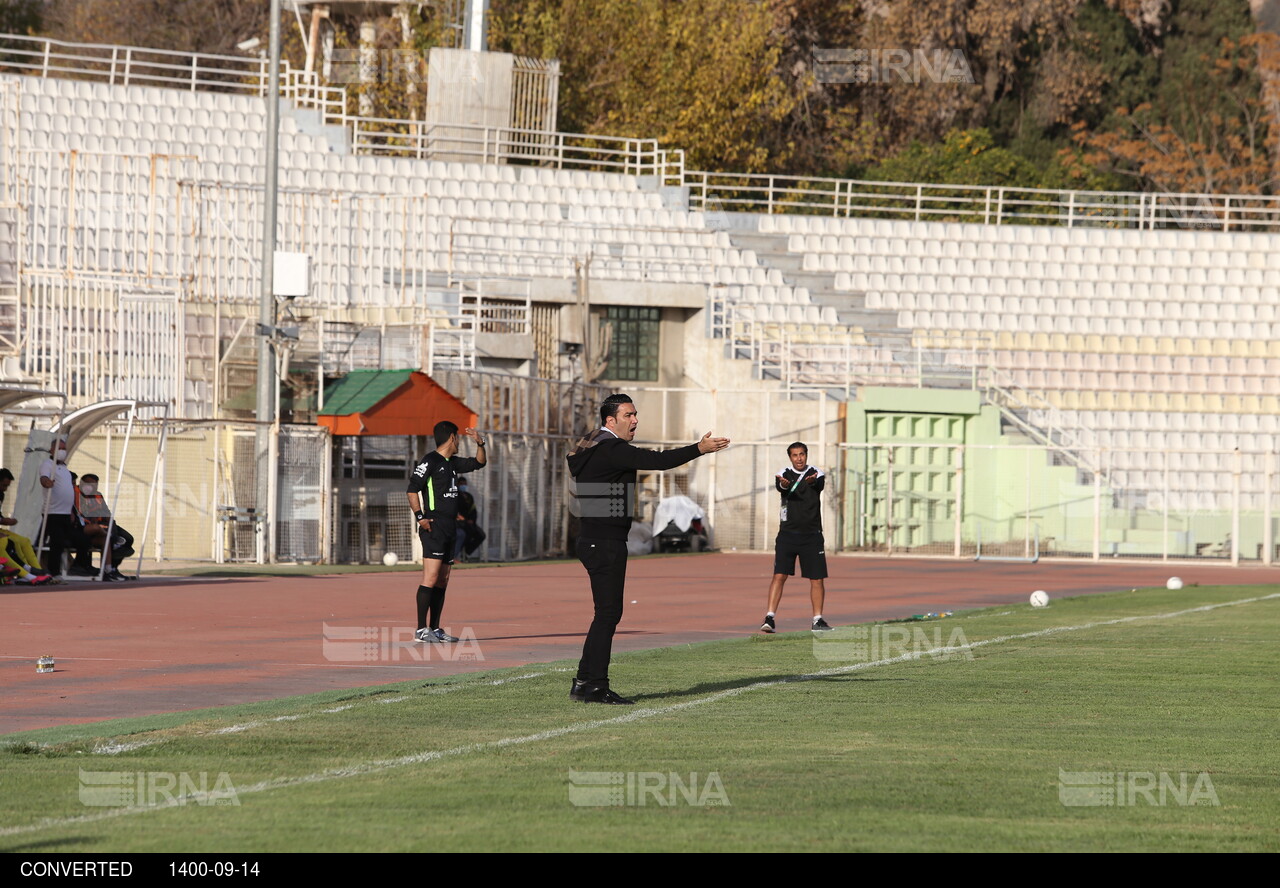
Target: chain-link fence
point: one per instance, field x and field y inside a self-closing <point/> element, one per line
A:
<point x="1023" y="502"/>
<point x="187" y="491"/>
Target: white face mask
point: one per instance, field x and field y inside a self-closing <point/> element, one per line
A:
<point x="89" y="489"/>
<point x="62" y="454"/>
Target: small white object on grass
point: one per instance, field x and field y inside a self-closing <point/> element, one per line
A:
<point x="1039" y="598"/>
<point x="390" y="559"/>
<point x="1174" y="583"/>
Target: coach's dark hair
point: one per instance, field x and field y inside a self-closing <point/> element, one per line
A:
<point x="6" y="475"/>
<point x="611" y="405"/>
<point x="443" y="431"/>
<point x="800" y="444"/>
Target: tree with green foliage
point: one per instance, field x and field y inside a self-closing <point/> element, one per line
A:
<point x="1205" y="126"/>
<point x="972" y="157"/>
<point x="700" y="75"/>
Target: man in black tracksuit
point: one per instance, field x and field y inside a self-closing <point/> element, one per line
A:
<point x="604" y="465"/>
<point x="799" y="535"/>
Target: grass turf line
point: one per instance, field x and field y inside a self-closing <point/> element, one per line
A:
<point x="914" y="754"/>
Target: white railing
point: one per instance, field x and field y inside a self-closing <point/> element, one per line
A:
<point x="488" y="144"/>
<point x="10" y="140"/>
<point x="988" y="205"/>
<point x="496" y="312"/>
<point x="133" y="66"/>
<point x="805" y="361"/>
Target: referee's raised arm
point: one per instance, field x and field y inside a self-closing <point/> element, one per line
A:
<point x="482" y="456"/>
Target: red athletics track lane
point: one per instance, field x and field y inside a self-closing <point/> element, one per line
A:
<point x="167" y="644"/>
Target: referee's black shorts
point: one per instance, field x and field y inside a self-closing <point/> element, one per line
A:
<point x="440" y="541"/>
<point x="808" y="547"/>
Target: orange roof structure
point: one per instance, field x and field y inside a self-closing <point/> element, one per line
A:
<point x="390" y="402"/>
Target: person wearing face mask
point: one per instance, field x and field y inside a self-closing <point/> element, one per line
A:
<point x="94" y="518"/>
<point x="57" y="531"/>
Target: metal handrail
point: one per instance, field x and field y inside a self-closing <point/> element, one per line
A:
<point x="984" y="204"/>
<point x="492" y="144"/>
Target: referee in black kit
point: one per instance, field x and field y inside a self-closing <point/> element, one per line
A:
<point x="433" y="497"/>
<point x="604" y="465"/>
<point x="799" y="535"/>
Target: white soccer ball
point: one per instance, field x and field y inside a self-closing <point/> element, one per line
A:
<point x="1174" y="583"/>
<point x="390" y="559"/>
<point x="1039" y="598"/>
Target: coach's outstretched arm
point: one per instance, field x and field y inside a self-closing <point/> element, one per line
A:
<point x="627" y="456"/>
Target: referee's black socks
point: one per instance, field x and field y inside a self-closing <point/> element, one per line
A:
<point x="437" y="605"/>
<point x="424" y="602"/>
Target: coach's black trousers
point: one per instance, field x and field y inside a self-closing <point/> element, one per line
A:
<point x="606" y="564"/>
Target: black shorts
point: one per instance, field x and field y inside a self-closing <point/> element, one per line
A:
<point x="440" y="542"/>
<point x="808" y="547"/>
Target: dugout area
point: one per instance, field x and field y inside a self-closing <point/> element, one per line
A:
<point x="381" y="422"/>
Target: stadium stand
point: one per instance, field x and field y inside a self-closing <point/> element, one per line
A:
<point x="146" y="199"/>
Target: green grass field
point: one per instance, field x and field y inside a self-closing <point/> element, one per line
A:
<point x="860" y="741"/>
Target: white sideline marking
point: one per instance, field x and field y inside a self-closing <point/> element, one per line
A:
<point x="637" y="714"/>
<point x="114" y="746"/>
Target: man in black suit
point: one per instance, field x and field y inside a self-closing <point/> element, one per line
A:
<point x="604" y="466"/>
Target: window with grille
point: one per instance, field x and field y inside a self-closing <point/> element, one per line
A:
<point x="634" y="352"/>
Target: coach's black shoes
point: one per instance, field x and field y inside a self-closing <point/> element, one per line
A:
<point x="589" y="692"/>
<point x="820" y="625"/>
<point x="769" y="626"/>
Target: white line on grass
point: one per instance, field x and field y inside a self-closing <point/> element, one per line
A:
<point x="117" y="745"/>
<point x="638" y="714"/>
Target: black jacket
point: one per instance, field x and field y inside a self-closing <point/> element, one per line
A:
<point x="801" y="506"/>
<point x="604" y="470"/>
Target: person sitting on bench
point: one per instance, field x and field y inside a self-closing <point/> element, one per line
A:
<point x="95" y="518"/>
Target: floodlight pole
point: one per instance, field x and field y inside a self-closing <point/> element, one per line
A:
<point x="267" y="382"/>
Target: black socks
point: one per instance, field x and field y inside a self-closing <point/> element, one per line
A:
<point x="424" y="601"/>
<point x="430" y="603"/>
<point x="437" y="606"/>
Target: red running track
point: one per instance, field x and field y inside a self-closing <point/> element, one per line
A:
<point x="167" y="644"/>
